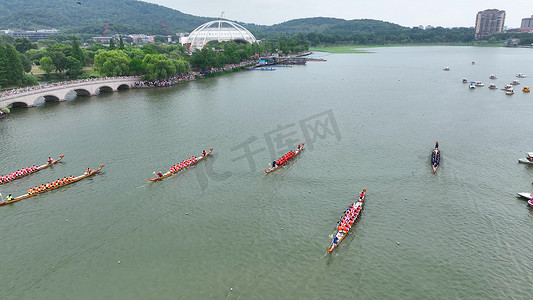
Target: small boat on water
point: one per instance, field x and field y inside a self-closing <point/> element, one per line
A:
<point x="525" y="195"/>
<point x="435" y="158"/>
<point x="472" y="85"/>
<point x="505" y="88"/>
<point x="285" y="159"/>
<point x="8" y="178"/>
<point x="527" y="160"/>
<point x="521" y="75"/>
<point x="181" y="166"/>
<point x="262" y="69"/>
<point x="492" y="76"/>
<point x="515" y="82"/>
<point x="492" y="86"/>
<point x="479" y="83"/>
<point x="74" y="179"/>
<point x="526" y="89"/>
<point x="446" y="69"/>
<point x="465" y="80"/>
<point x="351" y="215"/>
<point x="509" y="92"/>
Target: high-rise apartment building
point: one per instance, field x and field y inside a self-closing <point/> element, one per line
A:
<point x="527" y="22"/>
<point x="488" y="22"/>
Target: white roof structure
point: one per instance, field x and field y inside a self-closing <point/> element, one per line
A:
<point x="219" y="30"/>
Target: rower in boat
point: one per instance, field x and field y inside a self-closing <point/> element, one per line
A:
<point x="204" y="153"/>
<point x="159" y="174"/>
<point x="88" y="171"/>
<point x="9" y="197"/>
<point x="50" y="160"/>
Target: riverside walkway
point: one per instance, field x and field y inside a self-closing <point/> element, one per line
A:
<point x="27" y="97"/>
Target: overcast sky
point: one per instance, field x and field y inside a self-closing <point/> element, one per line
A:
<point x="446" y="13"/>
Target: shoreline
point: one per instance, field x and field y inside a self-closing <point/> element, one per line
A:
<point x="359" y="48"/>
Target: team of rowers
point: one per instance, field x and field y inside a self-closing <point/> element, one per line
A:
<point x="51" y="185"/>
<point x="351" y="214"/>
<point x="285" y="158"/>
<point x="17" y="174"/>
<point x="183" y="164"/>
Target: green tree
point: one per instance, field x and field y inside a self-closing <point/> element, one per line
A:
<point x="121" y="43"/>
<point x="26" y="63"/>
<point x="24" y="44"/>
<point x="112" y="63"/>
<point x="47" y="65"/>
<point x="60" y="60"/>
<point x="112" y="45"/>
<point x="77" y="52"/>
<point x="29" y="80"/>
<point x="6" y="39"/>
<point x="15" y="70"/>
<point x="3" y="66"/>
<point x="74" y="66"/>
<point x="137" y="66"/>
<point x="35" y="55"/>
<point x="158" y="66"/>
<point x="135" y="52"/>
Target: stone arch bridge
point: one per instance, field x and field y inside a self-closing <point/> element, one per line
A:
<point x="59" y="91"/>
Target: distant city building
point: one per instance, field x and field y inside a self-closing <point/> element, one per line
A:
<point x="527" y="22"/>
<point x="142" y="38"/>
<point x="34" y="35"/>
<point x="489" y="22"/>
<point x="219" y="30"/>
<point x="129" y="39"/>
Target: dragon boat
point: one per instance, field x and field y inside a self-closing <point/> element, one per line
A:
<point x="351" y="215"/>
<point x="75" y="179"/>
<point x="176" y="170"/>
<point x="36" y="170"/>
<point x="276" y="166"/>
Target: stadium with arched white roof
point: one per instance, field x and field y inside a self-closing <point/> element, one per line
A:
<point x="219" y="30"/>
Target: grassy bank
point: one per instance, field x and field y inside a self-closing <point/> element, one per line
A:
<point x="364" y="48"/>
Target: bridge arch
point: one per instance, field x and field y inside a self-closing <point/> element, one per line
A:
<point x="123" y="87"/>
<point x="106" y="89"/>
<point x="17" y="104"/>
<point x="49" y="98"/>
<point x="82" y="92"/>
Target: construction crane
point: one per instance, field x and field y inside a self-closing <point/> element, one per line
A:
<point x="105" y="32"/>
<point x="169" y="37"/>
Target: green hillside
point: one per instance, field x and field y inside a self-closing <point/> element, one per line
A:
<point x="132" y="16"/>
<point x="91" y="16"/>
<point x="332" y="25"/>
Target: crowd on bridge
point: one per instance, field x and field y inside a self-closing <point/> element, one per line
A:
<point x="189" y="76"/>
<point x="59" y="84"/>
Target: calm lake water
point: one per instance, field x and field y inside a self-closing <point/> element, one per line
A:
<point x="371" y="119"/>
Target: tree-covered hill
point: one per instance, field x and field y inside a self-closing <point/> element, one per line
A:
<point x="88" y="18"/>
<point x="91" y="16"/>
<point x="132" y="16"/>
<point x="332" y="26"/>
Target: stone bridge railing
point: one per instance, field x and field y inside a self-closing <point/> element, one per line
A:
<point x="59" y="91"/>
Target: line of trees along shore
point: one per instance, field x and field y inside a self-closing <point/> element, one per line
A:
<point x="68" y="60"/>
